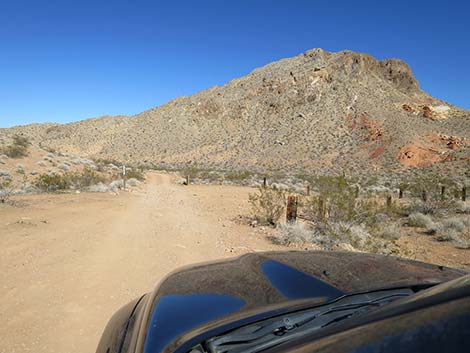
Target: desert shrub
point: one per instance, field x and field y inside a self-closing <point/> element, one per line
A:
<point x="52" y="182"/>
<point x="20" y="168"/>
<point x="336" y="199"/>
<point x="191" y="171"/>
<point x="78" y="180"/>
<point x="5" y="190"/>
<point x="332" y="235"/>
<point x="41" y="163"/>
<point x="106" y="161"/>
<point x="238" y="176"/>
<point x="132" y="182"/>
<point x="448" y="234"/>
<point x="434" y="228"/>
<point x="5" y="174"/>
<point x="391" y="231"/>
<point x="267" y="204"/>
<point x="466" y="221"/>
<point x="84" y="178"/>
<point x="430" y="207"/>
<point x="419" y="220"/>
<point x="100" y="187"/>
<point x="453" y="223"/>
<point x="135" y="173"/>
<point x="432" y="183"/>
<point x="63" y="166"/>
<point x="209" y="176"/>
<point x="463" y="207"/>
<point x="18" y="148"/>
<point x="115" y="185"/>
<point x="350" y="236"/>
<point x="295" y="234"/>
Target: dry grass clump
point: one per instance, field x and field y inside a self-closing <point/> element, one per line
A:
<point x="295" y="234"/>
<point x="454" y="223"/>
<point x="132" y="182"/>
<point x="338" y="235"/>
<point x="391" y="231"/>
<point x="420" y="220"/>
<point x="463" y="207"/>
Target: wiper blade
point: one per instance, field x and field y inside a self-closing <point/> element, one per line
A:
<point x="268" y="333"/>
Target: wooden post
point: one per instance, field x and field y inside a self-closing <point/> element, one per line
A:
<point x="443" y="192"/>
<point x="321" y="209"/>
<point x="424" y="196"/>
<point x="308" y="190"/>
<point x="124" y="176"/>
<point x="356" y="192"/>
<point x="400" y="193"/>
<point x="389" y="201"/>
<point x="291" y="211"/>
<point x="264" y="182"/>
<point x="187" y="179"/>
<point x="464" y="193"/>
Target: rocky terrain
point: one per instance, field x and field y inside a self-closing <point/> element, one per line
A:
<point x="318" y="112"/>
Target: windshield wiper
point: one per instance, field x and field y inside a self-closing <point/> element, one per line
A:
<point x="268" y="333"/>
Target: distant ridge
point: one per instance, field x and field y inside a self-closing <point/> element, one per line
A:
<point x="319" y="111"/>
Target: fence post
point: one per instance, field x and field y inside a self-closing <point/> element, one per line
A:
<point x="124" y="176"/>
<point x="291" y="211"/>
<point x="187" y="179"/>
<point x="424" y="196"/>
<point x="308" y="190"/>
<point x="389" y="201"/>
<point x="321" y="209"/>
<point x="443" y="192"/>
<point x="264" y="182"/>
<point x="400" y="193"/>
<point x="464" y="193"/>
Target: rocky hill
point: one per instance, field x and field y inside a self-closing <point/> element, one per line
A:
<point x="317" y="112"/>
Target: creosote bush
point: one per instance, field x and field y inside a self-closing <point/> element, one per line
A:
<point x="135" y="173"/>
<point x="268" y="205"/>
<point x="52" y="182"/>
<point x="77" y="180"/>
<point x="5" y="190"/>
<point x="18" y="148"/>
<point x="336" y="197"/>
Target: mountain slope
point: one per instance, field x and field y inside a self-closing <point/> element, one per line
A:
<point x="319" y="111"/>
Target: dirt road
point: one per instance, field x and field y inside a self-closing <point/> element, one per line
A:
<point x="69" y="261"/>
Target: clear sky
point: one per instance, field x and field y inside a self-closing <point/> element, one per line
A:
<point x="73" y="59"/>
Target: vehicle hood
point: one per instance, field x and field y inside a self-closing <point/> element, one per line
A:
<point x="216" y="296"/>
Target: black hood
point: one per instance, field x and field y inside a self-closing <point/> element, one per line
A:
<point x="217" y="296"/>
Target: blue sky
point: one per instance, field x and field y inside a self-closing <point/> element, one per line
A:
<point x="68" y="60"/>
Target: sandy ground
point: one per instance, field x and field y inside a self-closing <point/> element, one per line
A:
<point x="68" y="262"/>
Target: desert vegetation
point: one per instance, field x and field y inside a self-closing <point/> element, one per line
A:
<point x="340" y="213"/>
<point x="17" y="148"/>
<point x="38" y="169"/>
<point x="5" y="190"/>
